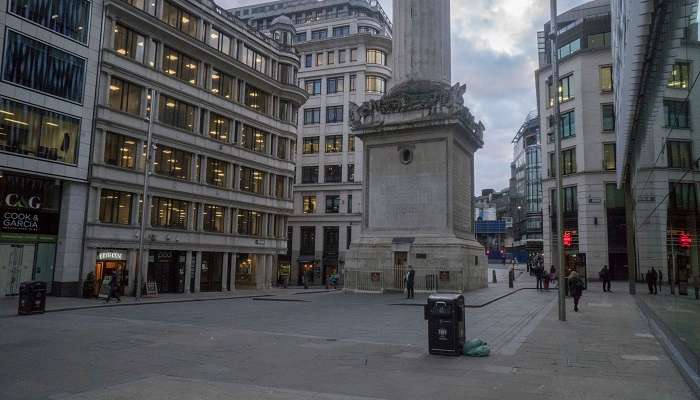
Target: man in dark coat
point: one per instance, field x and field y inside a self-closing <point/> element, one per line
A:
<point x="113" y="288"/>
<point x="539" y="274"/>
<point x="410" y="280"/>
<point x="654" y="281"/>
<point x="605" y="278"/>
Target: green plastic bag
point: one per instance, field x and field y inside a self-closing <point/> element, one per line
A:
<point x="481" y="351"/>
<point x="472" y="344"/>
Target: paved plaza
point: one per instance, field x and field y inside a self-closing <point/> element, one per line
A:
<point x="331" y="345"/>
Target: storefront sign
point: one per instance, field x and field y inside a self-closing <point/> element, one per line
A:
<point x="29" y="205"/>
<point x="111" y="255"/>
<point x="25" y="221"/>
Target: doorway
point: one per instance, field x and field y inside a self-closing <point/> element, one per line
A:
<point x="105" y="269"/>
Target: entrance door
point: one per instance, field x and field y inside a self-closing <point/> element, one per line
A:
<point x="45" y="258"/>
<point x="16" y="265"/>
<point x="400" y="264"/>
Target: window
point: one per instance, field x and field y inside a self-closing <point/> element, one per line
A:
<point x="309" y="204"/>
<point x="219" y="127"/>
<point x="256" y="99"/>
<point x="348" y="239"/>
<point x="335" y="85"/>
<point x="376" y="57"/>
<point x="38" y="66"/>
<point x="341" y="56"/>
<point x="332" y="204"/>
<point x="334" y="144"/>
<point x="279" y="187"/>
<point x="180" y="19"/>
<point x="222" y="84"/>
<point x="375" y="84"/>
<point x="568" y="161"/>
<point x="679" y="154"/>
<point x="609" y="156"/>
<point x="351" y="143"/>
<point x="351" y="173"/>
<point x="312" y="116"/>
<point x="311" y="145"/>
<point x="570" y="201"/>
<point x="172" y="162"/>
<point x="331" y="57"/>
<point x="319" y="59"/>
<point x="599" y="41"/>
<point x="128" y="43"/>
<point x="68" y="18"/>
<point x="566" y="89"/>
<point x="252" y="181"/>
<point x="250" y="223"/>
<point x="567" y="125"/>
<point x="680" y="76"/>
<point x="683" y="197"/>
<point x="552" y="166"/>
<point x="676" y="114"/>
<point x="608" y="117"/>
<point x="217" y="172"/>
<point x="368" y="29"/>
<point x="153" y="53"/>
<point x="334" y="114"/>
<point x="308" y="241"/>
<point x="313" y="87"/>
<point x="353" y="83"/>
<point x="120" y="151"/>
<point x="38" y="133"/>
<point x="569" y="48"/>
<point x="340" y="31"/>
<point x="148" y="6"/>
<point x="254" y="59"/>
<point x="333" y="174"/>
<point x="180" y="66"/>
<point x="349" y="204"/>
<point x="308" y="60"/>
<point x="219" y="41"/>
<point x="213" y="220"/>
<point x="125" y="96"/>
<point x="176" y="113"/>
<point x="169" y="213"/>
<point x="353" y="55"/>
<point x="282" y="148"/>
<point x="300" y="37"/>
<point x="319" y="34"/>
<point x="606" y="78"/>
<point x="309" y="175"/>
<point x="115" y="207"/>
<point x="254" y="139"/>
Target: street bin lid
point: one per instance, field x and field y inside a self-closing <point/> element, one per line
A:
<point x="445" y="297"/>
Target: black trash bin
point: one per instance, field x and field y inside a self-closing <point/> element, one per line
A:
<point x="445" y="316"/>
<point x="32" y="298"/>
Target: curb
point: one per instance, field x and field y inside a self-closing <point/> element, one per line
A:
<point x="475" y="305"/>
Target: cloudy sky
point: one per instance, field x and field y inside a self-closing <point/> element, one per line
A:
<point x="494" y="51"/>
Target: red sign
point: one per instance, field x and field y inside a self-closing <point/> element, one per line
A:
<point x="568" y="239"/>
<point x="685" y="240"/>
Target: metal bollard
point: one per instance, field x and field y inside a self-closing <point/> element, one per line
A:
<point x="494" y="277"/>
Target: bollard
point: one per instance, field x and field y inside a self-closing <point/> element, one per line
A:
<point x="511" y="278"/>
<point x="494" y="276"/>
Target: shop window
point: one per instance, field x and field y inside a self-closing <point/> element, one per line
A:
<point x="37" y="132"/>
<point x="120" y="151"/>
<point x="115" y="207"/>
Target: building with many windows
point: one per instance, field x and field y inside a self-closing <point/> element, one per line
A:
<point x="47" y="91"/>
<point x="594" y="212"/>
<point x="223" y="103"/>
<point x="659" y="149"/>
<point x="526" y="190"/>
<point x="345" y="48"/>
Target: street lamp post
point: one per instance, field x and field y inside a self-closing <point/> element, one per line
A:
<point x="557" y="140"/>
<point x="145" y="205"/>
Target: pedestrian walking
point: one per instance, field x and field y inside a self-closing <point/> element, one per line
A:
<point x="576" y="285"/>
<point x="410" y="280"/>
<point x="654" y="280"/>
<point x="650" y="282"/>
<point x="604" y="276"/>
<point x="553" y="275"/>
<point x="661" y="278"/>
<point x="539" y="274"/>
<point x="546" y="281"/>
<point x="113" y="288"/>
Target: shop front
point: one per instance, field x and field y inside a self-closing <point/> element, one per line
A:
<point x="109" y="262"/>
<point x="211" y="272"/>
<point x="167" y="269"/>
<point x="245" y="271"/>
<point x="29" y="218"/>
<point x="309" y="271"/>
<point x="284" y="271"/>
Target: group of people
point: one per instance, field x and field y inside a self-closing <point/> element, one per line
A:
<point x="543" y="277"/>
